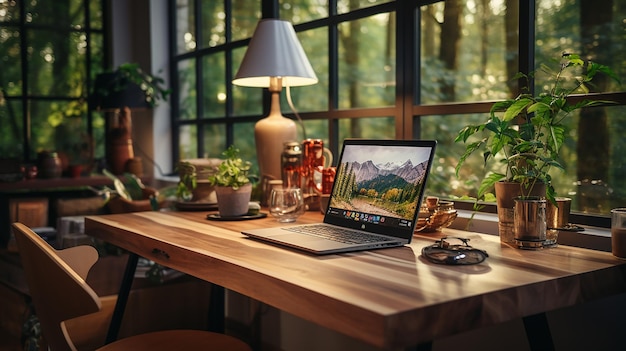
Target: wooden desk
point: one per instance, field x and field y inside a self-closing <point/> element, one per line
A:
<point x="390" y="298"/>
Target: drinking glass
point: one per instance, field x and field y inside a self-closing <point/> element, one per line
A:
<point x="618" y="232"/>
<point x="286" y="204"/>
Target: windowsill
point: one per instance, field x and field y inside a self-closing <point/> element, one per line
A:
<point x="594" y="238"/>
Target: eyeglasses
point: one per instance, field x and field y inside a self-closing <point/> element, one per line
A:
<point x="442" y="252"/>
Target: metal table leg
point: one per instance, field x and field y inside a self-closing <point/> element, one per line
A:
<point x="122" y="298"/>
<point x="217" y="309"/>
<point x="538" y="332"/>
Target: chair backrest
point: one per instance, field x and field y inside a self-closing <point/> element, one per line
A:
<point x="56" y="283"/>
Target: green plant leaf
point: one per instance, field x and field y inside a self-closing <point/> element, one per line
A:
<point x="488" y="183"/>
<point x="517" y="108"/>
<point x="468" y="151"/>
<point x="233" y="171"/>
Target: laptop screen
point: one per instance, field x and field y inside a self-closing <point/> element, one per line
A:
<point x="379" y="185"/>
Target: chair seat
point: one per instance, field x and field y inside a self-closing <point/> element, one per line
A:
<point x="178" y="340"/>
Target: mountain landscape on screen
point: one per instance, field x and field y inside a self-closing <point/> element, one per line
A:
<point x="383" y="188"/>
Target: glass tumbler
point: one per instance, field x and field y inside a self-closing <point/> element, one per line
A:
<point x="286" y="204"/>
<point x="618" y="232"/>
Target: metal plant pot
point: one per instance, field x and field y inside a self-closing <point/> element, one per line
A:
<point x="530" y="222"/>
<point x="506" y="192"/>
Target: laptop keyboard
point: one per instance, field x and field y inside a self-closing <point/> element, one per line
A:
<point x="341" y="235"/>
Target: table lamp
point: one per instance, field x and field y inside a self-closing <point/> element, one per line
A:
<point x="274" y="59"/>
<point x="116" y="96"/>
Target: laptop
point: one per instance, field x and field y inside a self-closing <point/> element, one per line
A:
<point x="376" y="196"/>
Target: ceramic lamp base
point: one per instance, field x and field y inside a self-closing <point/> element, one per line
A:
<point x="270" y="134"/>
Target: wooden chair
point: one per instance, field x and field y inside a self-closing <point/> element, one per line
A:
<point x="56" y="281"/>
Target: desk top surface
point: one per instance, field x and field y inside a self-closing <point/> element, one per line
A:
<point x="388" y="297"/>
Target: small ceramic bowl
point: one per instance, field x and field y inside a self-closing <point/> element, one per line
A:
<point x="435" y="215"/>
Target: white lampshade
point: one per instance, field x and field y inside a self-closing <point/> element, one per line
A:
<point x="275" y="51"/>
<point x="274" y="59"/>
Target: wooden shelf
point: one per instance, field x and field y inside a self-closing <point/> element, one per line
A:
<point x="54" y="184"/>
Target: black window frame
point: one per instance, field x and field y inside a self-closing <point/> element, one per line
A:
<point x="25" y="98"/>
<point x="407" y="113"/>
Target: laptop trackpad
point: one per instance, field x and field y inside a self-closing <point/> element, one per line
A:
<point x="306" y="241"/>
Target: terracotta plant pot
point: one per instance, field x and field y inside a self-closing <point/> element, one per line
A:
<point x="233" y="203"/>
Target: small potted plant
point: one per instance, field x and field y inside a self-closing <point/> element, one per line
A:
<point x="525" y="134"/>
<point x="194" y="185"/>
<point x="233" y="184"/>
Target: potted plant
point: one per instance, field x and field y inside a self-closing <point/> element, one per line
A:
<point x="129" y="85"/>
<point x="233" y="184"/>
<point x="525" y="135"/>
<point x="194" y="185"/>
<point x="116" y="93"/>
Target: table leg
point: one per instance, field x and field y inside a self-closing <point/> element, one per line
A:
<point x="122" y="298"/>
<point x="425" y="346"/>
<point x="217" y="309"/>
<point x="538" y="332"/>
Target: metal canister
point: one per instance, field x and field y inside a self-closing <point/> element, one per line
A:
<point x="291" y="164"/>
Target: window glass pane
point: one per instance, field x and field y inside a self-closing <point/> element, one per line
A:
<point x="616" y="183"/>
<point x="367" y="57"/>
<point x="66" y="13"/>
<point x="72" y="142"/>
<point x="55" y="37"/>
<point x="244" y="141"/>
<point x="57" y="64"/>
<point x="214" y="86"/>
<point x="561" y="28"/>
<point x="42" y="126"/>
<point x="77" y="13"/>
<point x="303" y="11"/>
<point x="595" y="183"/>
<point x="344" y="6"/>
<point x="367" y="128"/>
<point x="213" y="24"/>
<point x="244" y="19"/>
<point x="443" y="180"/>
<point x="246" y="100"/>
<point x="95" y="14"/>
<point x="9" y="11"/>
<point x="185" y="25"/>
<point x="11" y="142"/>
<point x="312" y="97"/>
<point x="187" y="145"/>
<point x="10" y="79"/>
<point x="214" y="140"/>
<point x="99" y="142"/>
<point x="466" y="54"/>
<point x="97" y="53"/>
<point x="314" y="129"/>
<point x="187" y="89"/>
<point x="61" y="126"/>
